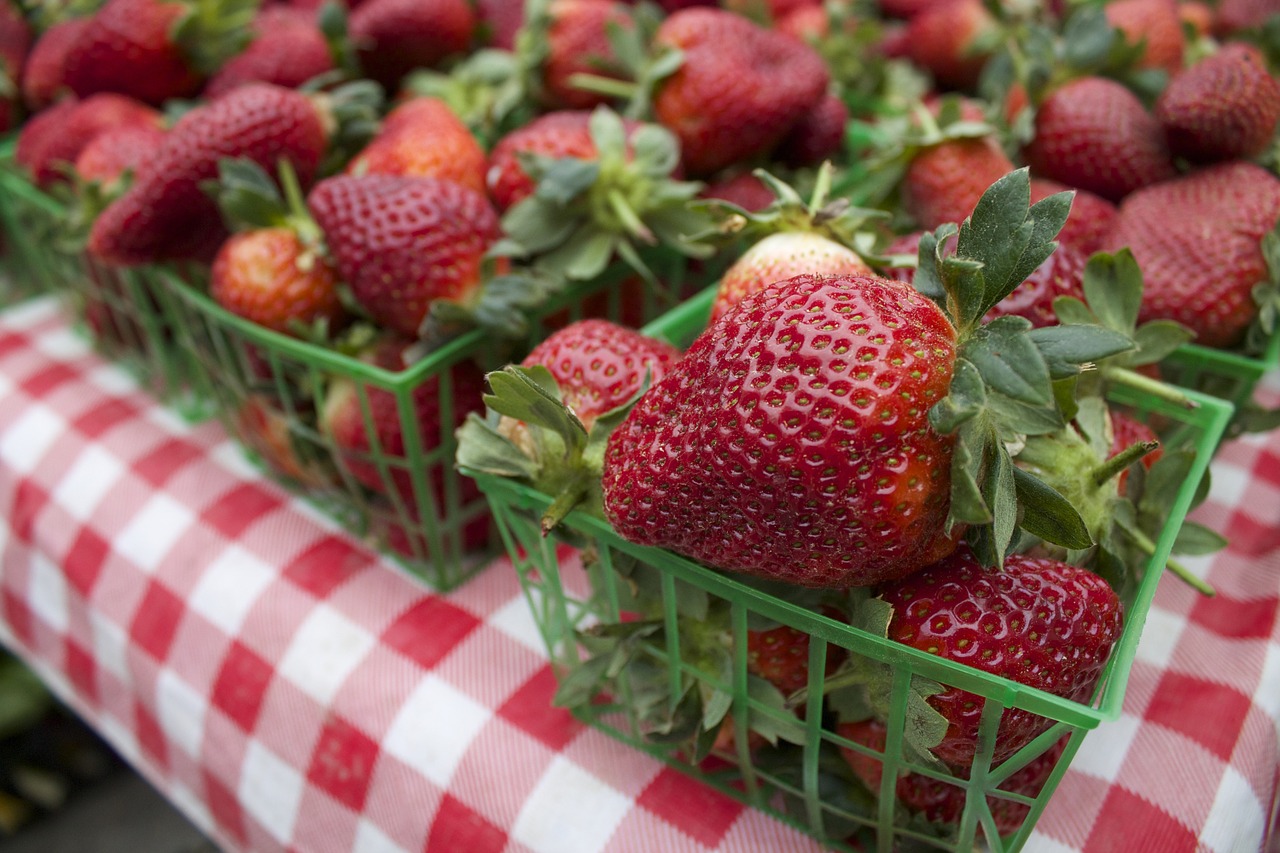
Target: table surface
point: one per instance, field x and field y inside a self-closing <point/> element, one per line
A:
<point x="289" y="689"/>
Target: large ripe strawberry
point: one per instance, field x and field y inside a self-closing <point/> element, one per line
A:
<point x="288" y="49"/>
<point x="167" y="214"/>
<point x="1095" y="134"/>
<point x="401" y="243"/>
<point x="393" y="37"/>
<point x="423" y="138"/>
<point x="47" y="147"/>
<point x="576" y="39"/>
<point x="943" y="182"/>
<point x="951" y="41"/>
<point x="114" y="152"/>
<point x="270" y="276"/>
<point x="44" y="76"/>
<point x="1154" y="23"/>
<point x="1036" y="621"/>
<point x="1224" y="107"/>
<point x="154" y="50"/>
<point x="795" y="434"/>
<point x="1092" y="216"/>
<point x="941" y="802"/>
<point x="739" y="91"/>
<point x="779" y="257"/>
<point x="1197" y="239"/>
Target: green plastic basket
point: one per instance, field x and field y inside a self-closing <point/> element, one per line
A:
<point x="269" y="390"/>
<point x="29" y="221"/>
<point x="1224" y="374"/>
<point x="802" y="790"/>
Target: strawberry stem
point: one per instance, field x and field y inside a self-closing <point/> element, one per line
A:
<point x="1122" y="460"/>
<point x="1179" y="571"/>
<point x="603" y="85"/>
<point x="574" y="492"/>
<point x="634" y="225"/>
<point x="1156" y="388"/>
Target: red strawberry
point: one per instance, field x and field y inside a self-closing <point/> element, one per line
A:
<point x="1092" y="216"/>
<point x="394" y="37"/>
<point x="288" y="49"/>
<point x="1095" y="134"/>
<point x="270" y="277"/>
<point x="502" y="19"/>
<point x="15" y="41"/>
<point x="944" y="182"/>
<point x="907" y="8"/>
<point x="577" y="42"/>
<point x="401" y="243"/>
<point x="945" y="40"/>
<point x="423" y="138"/>
<point x="938" y="801"/>
<point x="808" y="23"/>
<point x="817" y="136"/>
<point x="154" y="50"/>
<point x="779" y="257"/>
<point x="781" y="656"/>
<point x="44" y="76"/>
<point x="795" y="432"/>
<point x="261" y="424"/>
<point x="1197" y="17"/>
<point x="554" y="135"/>
<point x="46" y="150"/>
<point x="1062" y="274"/>
<point x="739" y="91"/>
<point x="1154" y="23"/>
<point x="115" y="151"/>
<point x="1038" y="622"/>
<point x="1197" y="240"/>
<point x="743" y="189"/>
<point x="1126" y="432"/>
<point x="1235" y="15"/>
<point x="1225" y="107"/>
<point x="166" y="214"/>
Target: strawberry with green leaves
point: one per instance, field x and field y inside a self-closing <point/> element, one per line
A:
<point x="423" y="138"/>
<point x="572" y="37"/>
<point x="952" y="40"/>
<point x="288" y="49"/>
<point x="52" y="141"/>
<point x="1155" y="26"/>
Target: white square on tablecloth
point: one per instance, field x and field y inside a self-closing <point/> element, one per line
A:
<point x="47" y="593"/>
<point x="120" y="736"/>
<point x="181" y="710"/>
<point x="169" y="421"/>
<point x="1160" y="637"/>
<point x="229" y="587"/>
<point x="33" y="312"/>
<point x="1041" y="844"/>
<point x="231" y="456"/>
<point x="1237" y="820"/>
<point x="113" y="379"/>
<point x="110" y="645"/>
<point x="153" y="531"/>
<point x="370" y="839"/>
<point x="515" y="619"/>
<point x="94" y="473"/>
<point x="1104" y="749"/>
<point x="1229" y="483"/>
<point x="61" y="344"/>
<point x="270" y="790"/>
<point x="570" y="811"/>
<point x="435" y="750"/>
<point x="24" y="443"/>
<point x="326" y="648"/>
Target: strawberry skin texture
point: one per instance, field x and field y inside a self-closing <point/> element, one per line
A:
<point x="1095" y="134"/>
<point x="261" y="275"/>
<point x="1154" y="22"/>
<point x="1091" y="220"/>
<point x="739" y="91"/>
<point x="781" y="656"/>
<point x="941" y="40"/>
<point x="578" y="43"/>
<point x="743" y="189"/>
<point x="1225" y="107"/>
<point x="779" y="257"/>
<point x="1061" y="274"/>
<point x="44" y="75"/>
<point x="423" y="138"/>
<point x="1235" y="15"/>
<point x="1036" y="621"/>
<point x="166" y="214"/>
<point x="396" y="36"/>
<point x="792" y="441"/>
<point x="127" y="48"/>
<point x="600" y="365"/>
<point x="944" y="182"/>
<point x="49" y="148"/>
<point x="288" y="49"/>
<point x="402" y="242"/>
<point x="115" y="151"/>
<point x="1197" y="240"/>
<point x="817" y="136"/>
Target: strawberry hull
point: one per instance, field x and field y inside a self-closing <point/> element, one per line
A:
<point x="834" y="804"/>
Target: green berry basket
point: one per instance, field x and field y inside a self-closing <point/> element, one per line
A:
<point x="273" y="392"/>
<point x="579" y="598"/>
<point x="29" y="222"/>
<point x="1224" y="374"/>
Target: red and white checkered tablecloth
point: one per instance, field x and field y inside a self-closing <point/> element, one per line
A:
<point x="289" y="690"/>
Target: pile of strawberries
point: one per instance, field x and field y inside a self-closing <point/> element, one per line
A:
<point x="941" y="231"/>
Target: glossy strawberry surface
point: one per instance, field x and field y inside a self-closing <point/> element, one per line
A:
<point x="779" y="257"/>
<point x="422" y="137"/>
<point x="268" y="276"/>
<point x="945" y="181"/>
<point x="128" y="47"/>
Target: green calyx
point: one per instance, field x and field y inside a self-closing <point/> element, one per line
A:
<point x="1266" y="294"/>
<point x="212" y="31"/>
<point x="486" y="91"/>
<point x="584" y="213"/>
<point x="351" y="113"/>
<point x="249" y="199"/>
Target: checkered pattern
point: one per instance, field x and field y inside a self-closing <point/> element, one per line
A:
<point x="289" y="690"/>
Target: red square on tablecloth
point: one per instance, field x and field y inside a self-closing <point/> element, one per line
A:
<point x="17" y="615"/>
<point x="104" y="417"/>
<point x="342" y="763"/>
<point x="429" y="630"/>
<point x="1208" y="713"/>
<point x="43" y="382"/>
<point x="235" y="511"/>
<point x="325" y="566"/>
<point x="165" y="460"/>
<point x="29" y="500"/>
<point x="241" y="684"/>
<point x="82" y="670"/>
<point x="150" y="736"/>
<point x="84" y="561"/>
<point x="1236" y="618"/>
<point x="530" y="710"/>
<point x="156" y="621"/>
<point x="224" y="807"/>
<point x="457" y="827"/>
<point x="1127" y="822"/>
<point x="698" y="810"/>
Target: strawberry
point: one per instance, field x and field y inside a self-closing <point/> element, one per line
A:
<point x="393" y="37"/>
<point x="781" y="656"/>
<point x="46" y="150"/>
<point x="1197" y="239"/>
<point x="817" y="136"/>
<point x="1061" y="274"/>
<point x="423" y="138"/>
<point x="1224" y="107"/>
<point x="271" y="277"/>
<point x="401" y="243"/>
<point x="116" y="151"/>
<point x="739" y="91"/>
<point x="44" y="76"/>
<point x="576" y="39"/>
<point x="949" y="41"/>
<point x="1153" y="23"/>
<point x="742" y="189"/>
<point x="1092" y="216"/>
<point x="937" y="801"/>
<point x="1036" y="621"/>
<point x="15" y="41"/>
<point x="943" y="182"/>
<point x="288" y="49"/>
<point x="779" y="257"/>
<point x="804" y="511"/>
<point x="261" y="424"/>
<point x="166" y="214"/>
<point x="1095" y="134"/>
<point x="1233" y="16"/>
<point x="907" y="8"/>
<point x="154" y="50"/>
<point x="502" y="19"/>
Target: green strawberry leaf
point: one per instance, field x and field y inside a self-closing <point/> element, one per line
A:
<point x="1196" y="540"/>
<point x="482" y="448"/>
<point x="968" y="463"/>
<point x="526" y="394"/>
<point x="561" y="180"/>
<point x="966" y="398"/>
<point x="1157" y="339"/>
<point x="1113" y="289"/>
<point x="1066" y="348"/>
<point x="1009" y="361"/>
<point x="927" y="279"/>
<point x="1072" y="311"/>
<point x="1049" y="515"/>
